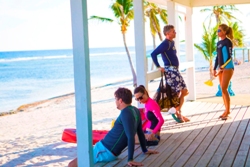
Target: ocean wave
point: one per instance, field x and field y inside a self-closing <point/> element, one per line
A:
<point x="35" y="58"/>
<point x="110" y="53"/>
<point x="59" y="56"/>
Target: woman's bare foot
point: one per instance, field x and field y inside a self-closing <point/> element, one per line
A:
<point x="224" y="118"/>
<point x="225" y="114"/>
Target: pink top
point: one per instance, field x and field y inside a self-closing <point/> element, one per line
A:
<point x="152" y="106"/>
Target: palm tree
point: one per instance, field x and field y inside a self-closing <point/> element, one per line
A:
<point x="221" y="13"/>
<point x="123" y="11"/>
<point x="151" y="11"/>
<point x="238" y="35"/>
<point x="208" y="46"/>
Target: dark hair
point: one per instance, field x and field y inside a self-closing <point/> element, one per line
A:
<point x="124" y="94"/>
<point x="167" y="28"/>
<point x="228" y="30"/>
<point x="141" y="89"/>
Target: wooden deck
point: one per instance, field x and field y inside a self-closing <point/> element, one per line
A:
<point x="204" y="141"/>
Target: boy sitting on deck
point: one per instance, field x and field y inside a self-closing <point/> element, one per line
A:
<point x="122" y="135"/>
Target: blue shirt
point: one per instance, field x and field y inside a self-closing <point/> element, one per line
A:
<point x="123" y="133"/>
<point x="168" y="54"/>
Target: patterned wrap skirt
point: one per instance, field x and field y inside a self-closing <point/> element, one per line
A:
<point x="174" y="79"/>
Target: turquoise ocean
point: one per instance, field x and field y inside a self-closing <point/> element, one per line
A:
<point x="30" y="76"/>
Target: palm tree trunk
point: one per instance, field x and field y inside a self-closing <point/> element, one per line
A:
<point x="158" y="32"/>
<point x="160" y="36"/>
<point x="154" y="45"/>
<point x="211" y="69"/>
<point x="130" y="61"/>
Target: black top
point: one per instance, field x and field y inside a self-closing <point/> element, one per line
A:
<point x="168" y="54"/>
<point x="123" y="133"/>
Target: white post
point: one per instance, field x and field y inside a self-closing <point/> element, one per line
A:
<point x="140" y="50"/>
<point x="173" y="20"/>
<point x="177" y="29"/>
<point x="190" y="54"/>
<point x="171" y="13"/>
<point x="82" y="82"/>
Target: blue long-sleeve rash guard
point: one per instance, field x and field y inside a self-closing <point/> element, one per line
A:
<point x="168" y="54"/>
<point x="224" y="53"/>
<point x="123" y="133"/>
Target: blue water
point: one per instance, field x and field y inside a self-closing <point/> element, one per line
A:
<point x="29" y="76"/>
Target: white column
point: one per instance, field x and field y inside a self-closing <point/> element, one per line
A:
<point x="82" y="82"/>
<point x="171" y="12"/>
<point x="140" y="50"/>
<point x="177" y="38"/>
<point x="190" y="54"/>
<point x="173" y="20"/>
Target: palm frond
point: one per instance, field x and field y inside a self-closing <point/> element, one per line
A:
<point x="152" y="11"/>
<point x="164" y="16"/>
<point x="238" y="34"/>
<point x="117" y="9"/>
<point x="208" y="45"/>
<point x="205" y="10"/>
<point x="103" y="19"/>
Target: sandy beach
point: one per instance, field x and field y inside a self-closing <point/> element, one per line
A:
<point x="32" y="136"/>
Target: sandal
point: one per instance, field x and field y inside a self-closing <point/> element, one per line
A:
<point x="181" y="120"/>
<point x="177" y="118"/>
<point x="224" y="118"/>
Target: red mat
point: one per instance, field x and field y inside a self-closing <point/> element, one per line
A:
<point x="69" y="135"/>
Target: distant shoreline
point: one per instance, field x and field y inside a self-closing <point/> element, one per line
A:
<point x="24" y="106"/>
<point x="199" y="76"/>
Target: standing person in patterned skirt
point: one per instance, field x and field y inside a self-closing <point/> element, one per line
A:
<point x="171" y="65"/>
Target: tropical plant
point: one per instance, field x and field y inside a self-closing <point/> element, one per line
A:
<point x="123" y="11"/>
<point x="208" y="46"/>
<point x="221" y="13"/>
<point x="151" y="11"/>
<point x="238" y="34"/>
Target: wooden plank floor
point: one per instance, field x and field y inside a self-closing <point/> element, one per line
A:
<point x="204" y="141"/>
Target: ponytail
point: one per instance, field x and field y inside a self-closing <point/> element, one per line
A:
<point x="229" y="33"/>
<point x="228" y="30"/>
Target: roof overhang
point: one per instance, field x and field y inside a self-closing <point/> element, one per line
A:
<point x="200" y="3"/>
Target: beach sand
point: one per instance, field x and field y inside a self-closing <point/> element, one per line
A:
<point x="32" y="136"/>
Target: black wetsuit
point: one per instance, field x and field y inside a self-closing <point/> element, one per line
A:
<point x="224" y="53"/>
<point x="123" y="133"/>
<point x="168" y="54"/>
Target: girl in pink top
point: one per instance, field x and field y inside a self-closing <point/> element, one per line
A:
<point x="152" y="113"/>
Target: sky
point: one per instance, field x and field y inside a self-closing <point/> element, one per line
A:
<point x="46" y="24"/>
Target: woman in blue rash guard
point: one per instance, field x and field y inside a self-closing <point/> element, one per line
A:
<point x="224" y="66"/>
